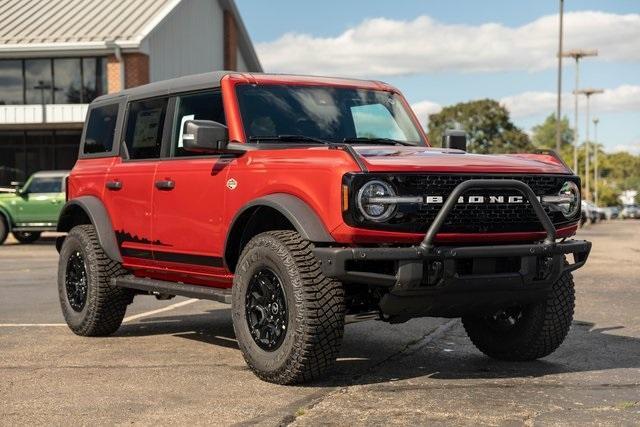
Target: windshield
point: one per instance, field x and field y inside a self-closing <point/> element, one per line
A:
<point x="323" y="112"/>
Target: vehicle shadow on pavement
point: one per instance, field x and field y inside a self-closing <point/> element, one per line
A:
<point x="374" y="359"/>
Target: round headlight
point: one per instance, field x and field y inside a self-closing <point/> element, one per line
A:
<point x="571" y="192"/>
<point x="375" y="210"/>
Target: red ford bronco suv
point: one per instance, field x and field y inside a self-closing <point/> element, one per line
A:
<point x="303" y="200"/>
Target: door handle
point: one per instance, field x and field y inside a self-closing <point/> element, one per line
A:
<point x="114" y="185"/>
<point x="165" y="185"/>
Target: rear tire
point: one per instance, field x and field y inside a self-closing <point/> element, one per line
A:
<point x="313" y="326"/>
<point x="90" y="304"/>
<point x="526" y="333"/>
<point x="4" y="230"/>
<point x="26" y="237"/>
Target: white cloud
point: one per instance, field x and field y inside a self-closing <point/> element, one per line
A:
<point x="423" y="109"/>
<point x="621" y="99"/>
<point x="633" y="148"/>
<point x="386" y="47"/>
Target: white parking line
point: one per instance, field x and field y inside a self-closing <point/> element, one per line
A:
<point x="160" y="310"/>
<point x="29" y="325"/>
<point x="126" y="319"/>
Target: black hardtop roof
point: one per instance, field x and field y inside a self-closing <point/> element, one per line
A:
<point x="167" y="87"/>
<point x="194" y="82"/>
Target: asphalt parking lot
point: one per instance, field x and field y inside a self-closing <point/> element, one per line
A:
<point x="177" y="362"/>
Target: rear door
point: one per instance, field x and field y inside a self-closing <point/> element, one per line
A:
<point x="187" y="218"/>
<point x="130" y="181"/>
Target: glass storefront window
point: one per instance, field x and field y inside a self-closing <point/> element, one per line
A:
<point x="94" y="71"/>
<point x="67" y="75"/>
<point x="12" y="164"/>
<point x="38" y="79"/>
<point x="11" y="92"/>
<point x="23" y="153"/>
<point x="77" y="80"/>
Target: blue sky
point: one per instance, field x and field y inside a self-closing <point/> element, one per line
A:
<point x="317" y="38"/>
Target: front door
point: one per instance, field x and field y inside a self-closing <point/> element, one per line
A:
<point x="39" y="202"/>
<point x="188" y="202"/>
<point x="130" y="181"/>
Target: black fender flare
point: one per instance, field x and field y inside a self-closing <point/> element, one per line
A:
<point x="295" y="210"/>
<point x="99" y="217"/>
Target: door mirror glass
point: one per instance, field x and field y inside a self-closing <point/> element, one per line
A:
<point x="204" y="136"/>
<point x="455" y="139"/>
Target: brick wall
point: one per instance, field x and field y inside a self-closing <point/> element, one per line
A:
<point x="113" y="74"/>
<point x="136" y="71"/>
<point x="230" y="41"/>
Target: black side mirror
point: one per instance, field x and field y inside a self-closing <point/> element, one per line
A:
<point x="455" y="139"/>
<point x="204" y="136"/>
<point x="16" y="186"/>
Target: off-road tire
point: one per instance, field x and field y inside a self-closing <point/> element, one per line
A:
<point x="4" y="229"/>
<point x="26" y="237"/>
<point x="105" y="304"/>
<point x="540" y="331"/>
<point x="315" y="308"/>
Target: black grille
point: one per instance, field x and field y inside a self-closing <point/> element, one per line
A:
<point x="467" y="217"/>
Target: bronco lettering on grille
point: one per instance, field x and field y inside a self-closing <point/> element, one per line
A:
<point x="478" y="199"/>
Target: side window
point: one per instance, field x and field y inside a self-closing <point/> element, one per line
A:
<point x="375" y="121"/>
<point x="199" y="106"/>
<point x="145" y="122"/>
<point x="45" y="185"/>
<point x="100" y="129"/>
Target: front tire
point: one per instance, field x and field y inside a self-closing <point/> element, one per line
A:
<point x="288" y="318"/>
<point x="527" y="333"/>
<point x="90" y="304"/>
<point x="4" y="230"/>
<point x="26" y="237"/>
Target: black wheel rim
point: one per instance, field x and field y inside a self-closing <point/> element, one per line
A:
<point x="76" y="281"/>
<point x="506" y="319"/>
<point x="266" y="310"/>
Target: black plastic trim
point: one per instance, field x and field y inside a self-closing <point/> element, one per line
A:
<point x="172" y="288"/>
<point x="100" y="219"/>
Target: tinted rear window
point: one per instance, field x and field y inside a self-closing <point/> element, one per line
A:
<point x="100" y="129"/>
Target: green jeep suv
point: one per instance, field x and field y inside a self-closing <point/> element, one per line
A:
<point x="29" y="210"/>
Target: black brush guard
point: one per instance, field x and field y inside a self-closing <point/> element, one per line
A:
<point x="449" y="281"/>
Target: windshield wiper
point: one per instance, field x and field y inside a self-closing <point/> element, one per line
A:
<point x="290" y="138"/>
<point x="365" y="140"/>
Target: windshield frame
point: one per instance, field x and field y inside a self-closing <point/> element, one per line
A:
<point x="423" y="140"/>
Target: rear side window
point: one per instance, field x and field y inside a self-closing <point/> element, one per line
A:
<point x="145" y="123"/>
<point x="100" y="129"/>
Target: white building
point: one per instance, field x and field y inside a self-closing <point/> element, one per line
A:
<point x="56" y="56"/>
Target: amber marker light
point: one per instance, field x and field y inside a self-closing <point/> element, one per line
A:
<point x="345" y="198"/>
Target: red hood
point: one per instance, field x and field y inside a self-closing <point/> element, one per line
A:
<point x="426" y="159"/>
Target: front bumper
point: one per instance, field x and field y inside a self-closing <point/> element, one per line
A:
<point x="447" y="281"/>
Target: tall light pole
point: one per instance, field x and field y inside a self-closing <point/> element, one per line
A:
<point x="587" y="92"/>
<point x="559" y="106"/>
<point x="577" y="54"/>
<point x="596" y="175"/>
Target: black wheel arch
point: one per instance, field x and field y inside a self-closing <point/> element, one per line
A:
<point x="90" y="210"/>
<point x="273" y="212"/>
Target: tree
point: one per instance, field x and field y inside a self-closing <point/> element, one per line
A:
<point x="544" y="136"/>
<point x="488" y="126"/>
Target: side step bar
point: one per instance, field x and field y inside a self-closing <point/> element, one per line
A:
<point x="160" y="286"/>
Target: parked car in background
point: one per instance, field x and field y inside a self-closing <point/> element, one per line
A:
<point x="630" y="211"/>
<point x="26" y="211"/>
<point x="612" y="212"/>
<point x="589" y="213"/>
